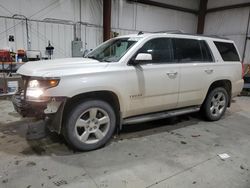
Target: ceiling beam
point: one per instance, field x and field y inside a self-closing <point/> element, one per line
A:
<point x="201" y="16"/>
<point x="164" y="5"/>
<point x="241" y="5"/>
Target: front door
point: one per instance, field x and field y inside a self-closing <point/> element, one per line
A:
<point x="158" y="80"/>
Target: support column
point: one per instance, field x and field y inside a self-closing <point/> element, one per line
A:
<point x="106" y="19"/>
<point x="202" y="16"/>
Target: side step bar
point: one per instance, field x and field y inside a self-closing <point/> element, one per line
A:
<point x="160" y="115"/>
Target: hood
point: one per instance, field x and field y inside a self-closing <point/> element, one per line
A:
<point x="61" y="67"/>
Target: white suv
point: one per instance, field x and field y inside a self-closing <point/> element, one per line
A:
<point x="131" y="79"/>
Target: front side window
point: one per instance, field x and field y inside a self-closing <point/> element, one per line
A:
<point x="227" y="51"/>
<point x="160" y="49"/>
<point x="187" y="50"/>
<point x="113" y="50"/>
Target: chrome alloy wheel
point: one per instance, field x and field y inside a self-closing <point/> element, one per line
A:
<point x="92" y="125"/>
<point x="218" y="104"/>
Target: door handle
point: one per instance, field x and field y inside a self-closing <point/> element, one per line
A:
<point x="209" y="71"/>
<point x="172" y="74"/>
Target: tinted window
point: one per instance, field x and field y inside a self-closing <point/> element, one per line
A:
<point x="159" y="48"/>
<point x="206" y="53"/>
<point x="187" y="50"/>
<point x="227" y="51"/>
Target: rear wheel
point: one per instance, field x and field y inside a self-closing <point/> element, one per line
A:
<point x="215" y="104"/>
<point x="90" y="125"/>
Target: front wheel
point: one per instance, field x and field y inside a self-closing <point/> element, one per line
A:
<point x="215" y="104"/>
<point x="90" y="125"/>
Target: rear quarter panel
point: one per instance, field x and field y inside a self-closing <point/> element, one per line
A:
<point x="226" y="70"/>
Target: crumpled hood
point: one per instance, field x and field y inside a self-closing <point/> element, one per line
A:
<point x="61" y="67"/>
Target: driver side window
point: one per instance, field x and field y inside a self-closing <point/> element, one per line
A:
<point x="160" y="49"/>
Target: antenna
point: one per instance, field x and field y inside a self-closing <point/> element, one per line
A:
<point x="140" y="33"/>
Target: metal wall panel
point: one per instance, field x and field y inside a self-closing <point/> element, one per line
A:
<point x="136" y="16"/>
<point x="221" y="3"/>
<point x="37" y="9"/>
<point x="192" y="4"/>
<point x="60" y="36"/>
<point x="126" y="18"/>
<point x="231" y="24"/>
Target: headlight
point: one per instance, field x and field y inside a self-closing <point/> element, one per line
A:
<point x="36" y="88"/>
<point x="43" y="83"/>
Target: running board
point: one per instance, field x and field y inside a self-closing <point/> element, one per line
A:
<point x="160" y="115"/>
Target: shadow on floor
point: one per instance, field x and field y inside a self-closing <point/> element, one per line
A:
<point x="33" y="138"/>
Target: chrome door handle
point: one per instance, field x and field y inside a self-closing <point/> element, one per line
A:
<point x="209" y="71"/>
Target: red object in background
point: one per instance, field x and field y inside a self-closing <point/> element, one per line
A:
<point x="21" y="52"/>
<point x="5" y="56"/>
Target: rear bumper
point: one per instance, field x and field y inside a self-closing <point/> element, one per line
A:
<point x="237" y="87"/>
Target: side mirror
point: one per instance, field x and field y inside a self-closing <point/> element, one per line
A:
<point x="143" y="57"/>
<point x="140" y="57"/>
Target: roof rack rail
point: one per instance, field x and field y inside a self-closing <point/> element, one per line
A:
<point x="211" y="36"/>
<point x="183" y="33"/>
<point x="170" y="31"/>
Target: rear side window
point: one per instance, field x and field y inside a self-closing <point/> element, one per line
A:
<point x="227" y="51"/>
<point x="187" y="50"/>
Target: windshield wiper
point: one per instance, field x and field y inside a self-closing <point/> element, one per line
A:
<point x="93" y="57"/>
<point x="99" y="59"/>
<point x="105" y="60"/>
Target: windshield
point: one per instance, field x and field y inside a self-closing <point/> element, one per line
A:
<point x="113" y="50"/>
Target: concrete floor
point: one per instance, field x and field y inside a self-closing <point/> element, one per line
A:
<point x="177" y="152"/>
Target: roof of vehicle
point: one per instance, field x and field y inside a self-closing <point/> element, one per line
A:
<point x="178" y="34"/>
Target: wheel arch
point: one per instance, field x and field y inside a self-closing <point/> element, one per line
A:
<point x="105" y="95"/>
<point x="225" y="83"/>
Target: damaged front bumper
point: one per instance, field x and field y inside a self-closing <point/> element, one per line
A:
<point x="49" y="109"/>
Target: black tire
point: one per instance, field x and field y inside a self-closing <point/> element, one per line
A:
<point x="71" y="132"/>
<point x="208" y="106"/>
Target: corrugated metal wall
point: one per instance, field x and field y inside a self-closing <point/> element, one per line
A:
<point x="229" y="23"/>
<point x="126" y="18"/>
<point x="40" y="33"/>
<point x="133" y="17"/>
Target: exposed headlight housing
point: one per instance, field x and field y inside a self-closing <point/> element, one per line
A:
<point x="37" y="87"/>
<point x="43" y="83"/>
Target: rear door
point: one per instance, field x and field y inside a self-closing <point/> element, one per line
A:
<point x="196" y="69"/>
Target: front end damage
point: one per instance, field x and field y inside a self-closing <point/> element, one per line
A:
<point x="50" y="109"/>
